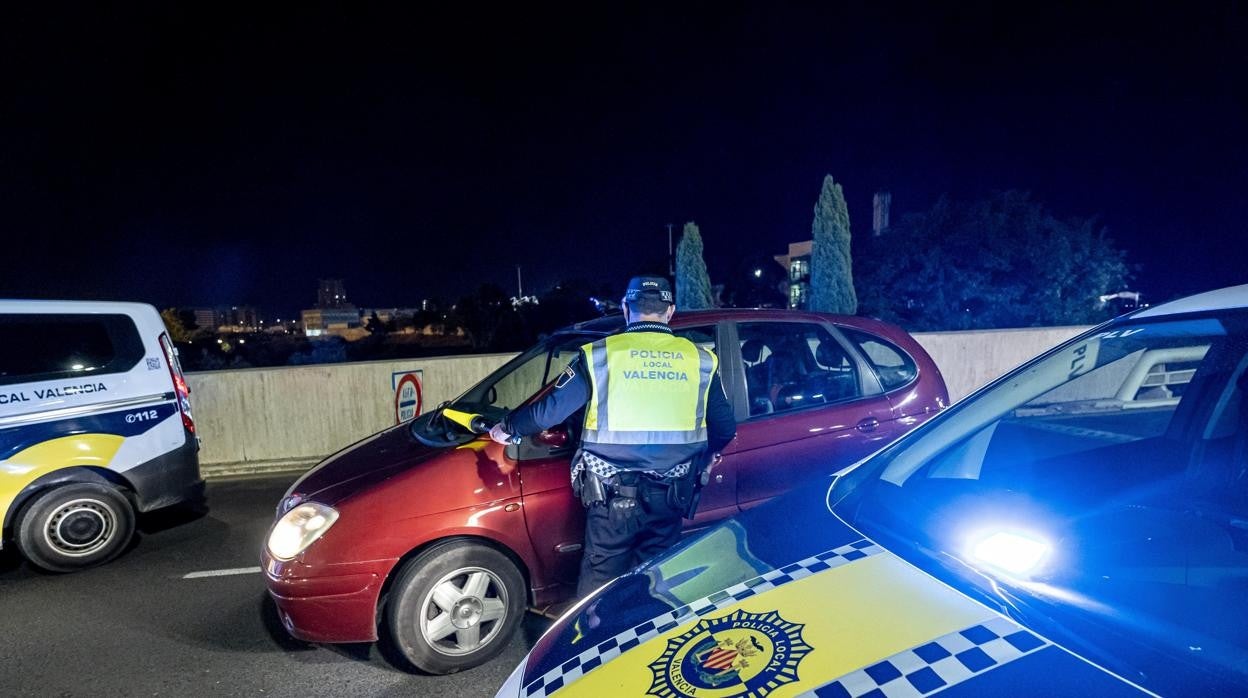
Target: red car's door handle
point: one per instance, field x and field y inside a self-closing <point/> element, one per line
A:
<point x="868" y="425"/>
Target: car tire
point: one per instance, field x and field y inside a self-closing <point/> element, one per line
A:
<point x="455" y="606"/>
<point x="75" y="526"/>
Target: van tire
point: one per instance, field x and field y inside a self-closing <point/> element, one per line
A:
<point x="479" y="583"/>
<point x="74" y="526"/>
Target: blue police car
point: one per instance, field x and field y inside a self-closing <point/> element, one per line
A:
<point x="1078" y="527"/>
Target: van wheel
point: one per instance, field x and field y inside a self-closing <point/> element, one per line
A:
<point x="455" y="606"/>
<point x="75" y="526"/>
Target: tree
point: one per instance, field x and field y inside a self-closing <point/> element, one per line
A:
<point x="1003" y="261"/>
<point x="178" y="331"/>
<point x="831" y="272"/>
<point x="375" y="325"/>
<point x="567" y="302"/>
<point x="483" y="314"/>
<point x="693" y="284"/>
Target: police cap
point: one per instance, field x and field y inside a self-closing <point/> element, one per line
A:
<point x="654" y="286"/>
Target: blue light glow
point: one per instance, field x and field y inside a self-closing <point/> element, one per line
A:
<point x="1017" y="554"/>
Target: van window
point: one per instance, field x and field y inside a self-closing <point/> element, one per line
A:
<point x="53" y="347"/>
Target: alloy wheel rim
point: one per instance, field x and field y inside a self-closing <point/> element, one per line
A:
<point x="464" y="611"/>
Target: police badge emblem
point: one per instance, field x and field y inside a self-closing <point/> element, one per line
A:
<point x="741" y="654"/>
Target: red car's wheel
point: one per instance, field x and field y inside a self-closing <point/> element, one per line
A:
<point x="455" y="606"/>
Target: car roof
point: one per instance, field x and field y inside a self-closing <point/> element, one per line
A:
<point x="1221" y="299"/>
<point x="18" y="305"/>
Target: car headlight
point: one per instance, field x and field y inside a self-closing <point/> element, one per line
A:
<point x="299" y="528"/>
<point x="1014" y="553"/>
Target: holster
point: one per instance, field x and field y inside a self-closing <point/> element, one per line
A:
<point x="591" y="489"/>
<point x="684" y="493"/>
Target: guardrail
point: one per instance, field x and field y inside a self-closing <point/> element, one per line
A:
<point x="267" y="420"/>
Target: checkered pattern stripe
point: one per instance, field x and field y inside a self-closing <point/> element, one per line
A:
<point x="937" y="665"/>
<point x="605" y="470"/>
<point x="605" y="651"/>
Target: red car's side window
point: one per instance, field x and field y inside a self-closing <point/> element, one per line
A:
<point x="702" y="335"/>
<point x="793" y="365"/>
<point x="894" y="367"/>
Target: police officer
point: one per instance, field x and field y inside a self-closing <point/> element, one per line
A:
<point x="655" y="416"/>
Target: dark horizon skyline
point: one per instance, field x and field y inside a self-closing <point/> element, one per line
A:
<point x="188" y="158"/>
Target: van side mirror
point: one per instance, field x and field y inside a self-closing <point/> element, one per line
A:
<point x="554" y="437"/>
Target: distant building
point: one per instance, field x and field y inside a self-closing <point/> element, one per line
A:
<point x="331" y="293"/>
<point x="238" y="318"/>
<point x="322" y="321"/>
<point x="387" y="314"/>
<point x="797" y="266"/>
<point x="332" y="314"/>
<point x="205" y="318"/>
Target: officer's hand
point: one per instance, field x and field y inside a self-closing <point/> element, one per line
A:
<point x="500" y="436"/>
<point x="716" y="459"/>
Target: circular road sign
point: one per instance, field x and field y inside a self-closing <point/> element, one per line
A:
<point x="407" y="399"/>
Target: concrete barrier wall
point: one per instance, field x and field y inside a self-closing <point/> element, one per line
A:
<point x="969" y="360"/>
<point x="278" y="419"/>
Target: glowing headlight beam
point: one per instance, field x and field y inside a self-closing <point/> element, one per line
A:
<point x="1014" y="553"/>
<point x="299" y="528"/>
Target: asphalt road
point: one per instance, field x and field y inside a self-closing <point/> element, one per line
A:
<point x="136" y="627"/>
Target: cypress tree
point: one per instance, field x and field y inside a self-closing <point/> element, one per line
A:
<point x="831" y="273"/>
<point x="693" y="285"/>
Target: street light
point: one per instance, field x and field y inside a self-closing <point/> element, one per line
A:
<point x="758" y="273"/>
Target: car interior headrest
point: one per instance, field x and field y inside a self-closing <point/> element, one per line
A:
<point x="752" y="350"/>
<point x="829" y="353"/>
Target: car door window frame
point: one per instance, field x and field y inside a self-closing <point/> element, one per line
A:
<point x="732" y="370"/>
<point x="729" y="359"/>
<point x="888" y="344"/>
<point x="868" y="381"/>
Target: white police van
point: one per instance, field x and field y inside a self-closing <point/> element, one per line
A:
<point x="95" y="426"/>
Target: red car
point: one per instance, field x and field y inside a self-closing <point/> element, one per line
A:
<point x="441" y="537"/>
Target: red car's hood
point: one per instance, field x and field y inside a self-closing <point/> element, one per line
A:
<point x="363" y="465"/>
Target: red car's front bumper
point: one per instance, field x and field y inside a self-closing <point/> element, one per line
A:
<point x="318" y="605"/>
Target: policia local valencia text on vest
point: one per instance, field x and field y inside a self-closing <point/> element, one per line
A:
<point x="655" y="414"/>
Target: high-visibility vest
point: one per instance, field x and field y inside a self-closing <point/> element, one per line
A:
<point x="647" y="388"/>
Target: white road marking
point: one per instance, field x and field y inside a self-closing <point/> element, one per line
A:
<point x="221" y="573"/>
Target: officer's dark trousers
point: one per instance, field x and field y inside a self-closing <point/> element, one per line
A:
<point x="615" y="547"/>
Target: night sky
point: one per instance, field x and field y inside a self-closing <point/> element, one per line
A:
<point x="234" y="155"/>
